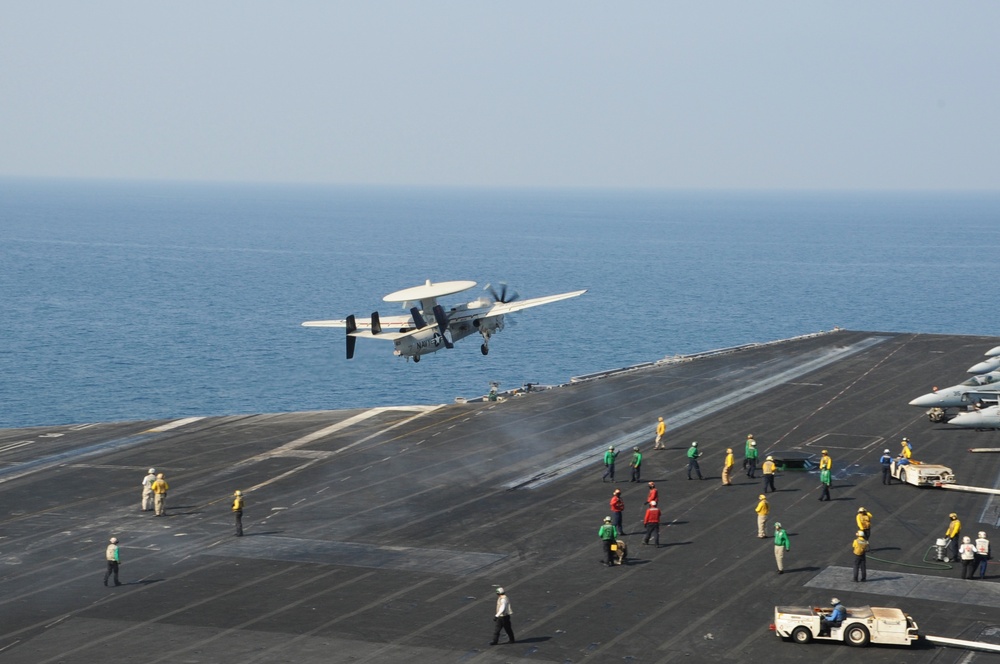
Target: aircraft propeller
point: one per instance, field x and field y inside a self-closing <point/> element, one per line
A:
<point x="442" y="321"/>
<point x="502" y="297"/>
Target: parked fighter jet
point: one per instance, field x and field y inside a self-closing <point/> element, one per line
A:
<point x="987" y="365"/>
<point x="981" y="418"/>
<point x="430" y="327"/>
<point x="984" y="387"/>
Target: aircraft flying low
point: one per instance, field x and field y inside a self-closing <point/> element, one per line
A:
<point x="980" y="418"/>
<point x="980" y="388"/>
<point x="429" y="326"/>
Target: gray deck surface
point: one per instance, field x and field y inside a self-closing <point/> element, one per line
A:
<point x="377" y="536"/>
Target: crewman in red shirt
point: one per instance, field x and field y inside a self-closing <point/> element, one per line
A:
<point x="652" y="521"/>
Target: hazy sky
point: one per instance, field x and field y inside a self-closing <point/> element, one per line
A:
<point x="898" y="95"/>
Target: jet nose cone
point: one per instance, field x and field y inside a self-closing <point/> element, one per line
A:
<point x="993" y="352"/>
<point x="927" y="401"/>
<point x="985" y="366"/>
<point x="971" y="420"/>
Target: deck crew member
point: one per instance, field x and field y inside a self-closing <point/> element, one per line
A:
<point x="953" y="533"/>
<point x="727" y="467"/>
<point x="160" y="488"/>
<point x="653" y="494"/>
<point x="886" y="462"/>
<point x="661" y="428"/>
<point x="864" y="520"/>
<point x="147" y="491"/>
<point x="238" y="512"/>
<point x="501" y="619"/>
<point x="617" y="510"/>
<point x="746" y="451"/>
<point x="609" y="463"/>
<point x="768" y="469"/>
<point x="608" y="536"/>
<point x="835" y="618"/>
<point x="825" y="462"/>
<point x="781" y="545"/>
<point x="907" y="450"/>
<point x="824" y="481"/>
<point x="751" y="460"/>
<point x="635" y="464"/>
<point x="967" y="554"/>
<point x="111" y="555"/>
<point x="762" y="510"/>
<point x="860" y="548"/>
<point x="652" y="522"/>
<point x="982" y="553"/>
<point x="692" y="455"/>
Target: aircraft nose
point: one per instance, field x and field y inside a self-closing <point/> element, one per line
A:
<point x="969" y="420"/>
<point x="993" y="352"/>
<point x="985" y="366"/>
<point x="926" y="401"/>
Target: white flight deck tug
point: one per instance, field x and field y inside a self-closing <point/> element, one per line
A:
<point x="919" y="473"/>
<point x="861" y="626"/>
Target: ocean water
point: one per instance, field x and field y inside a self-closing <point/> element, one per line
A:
<point x="135" y="300"/>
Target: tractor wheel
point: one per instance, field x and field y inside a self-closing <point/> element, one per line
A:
<point x="857" y="635"/>
<point x="801" y="635"/>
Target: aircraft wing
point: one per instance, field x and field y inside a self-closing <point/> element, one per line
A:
<point x="509" y="307"/>
<point x="364" y="323"/>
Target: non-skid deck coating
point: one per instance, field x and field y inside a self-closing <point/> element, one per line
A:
<point x="378" y="535"/>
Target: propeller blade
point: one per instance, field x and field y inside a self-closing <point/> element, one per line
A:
<point x="352" y="326"/>
<point x="418" y="319"/>
<point x="502" y="295"/>
<point x="442" y="321"/>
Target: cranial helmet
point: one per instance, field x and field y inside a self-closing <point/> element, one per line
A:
<point x="499" y="590"/>
<point x="652" y="503"/>
<point x="113" y="540"/>
<point x="860" y="533"/>
<point x="761" y="496"/>
<point x="952" y="516"/>
<point x="152" y="471"/>
<point x="607" y="519"/>
<point x="835" y="601"/>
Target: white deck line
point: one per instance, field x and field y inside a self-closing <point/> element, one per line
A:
<point x="173" y="425"/>
<point x="292" y="446"/>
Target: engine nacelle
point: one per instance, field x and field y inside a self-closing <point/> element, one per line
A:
<point x="489" y="326"/>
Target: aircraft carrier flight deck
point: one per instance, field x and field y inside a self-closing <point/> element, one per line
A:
<point x="379" y="535"/>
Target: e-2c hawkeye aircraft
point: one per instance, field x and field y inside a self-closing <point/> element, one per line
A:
<point x="429" y="327"/>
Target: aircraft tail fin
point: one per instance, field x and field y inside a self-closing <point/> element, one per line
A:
<point x="352" y="326"/>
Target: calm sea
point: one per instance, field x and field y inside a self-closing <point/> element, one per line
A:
<point x="160" y="300"/>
